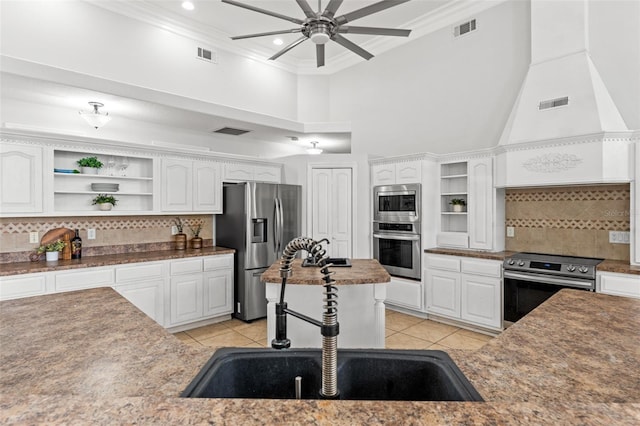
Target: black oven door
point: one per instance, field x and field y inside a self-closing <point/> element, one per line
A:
<point x="524" y="292"/>
<point x="399" y="254"/>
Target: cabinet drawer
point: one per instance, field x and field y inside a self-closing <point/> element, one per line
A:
<point x="138" y="272"/>
<point x="188" y="266"/>
<point x="87" y="278"/>
<point x="445" y="263"/>
<point x="218" y="262"/>
<point x="14" y="288"/>
<point x="620" y="285"/>
<point x="482" y="267"/>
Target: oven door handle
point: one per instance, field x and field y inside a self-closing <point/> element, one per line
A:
<point x="567" y="282"/>
<point x="397" y="237"/>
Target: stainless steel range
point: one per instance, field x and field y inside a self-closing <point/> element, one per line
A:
<point x="531" y="278"/>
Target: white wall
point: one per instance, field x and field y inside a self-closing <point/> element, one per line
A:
<point x="75" y="35"/>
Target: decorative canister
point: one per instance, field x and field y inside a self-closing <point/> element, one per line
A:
<point x="181" y="241"/>
<point x="196" y="243"/>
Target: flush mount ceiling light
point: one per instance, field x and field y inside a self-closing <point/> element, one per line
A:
<point x="94" y="118"/>
<point x="314" y="150"/>
<point x="322" y="26"/>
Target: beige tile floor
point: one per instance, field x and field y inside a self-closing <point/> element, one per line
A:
<point x="402" y="332"/>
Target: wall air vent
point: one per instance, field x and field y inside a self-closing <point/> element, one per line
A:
<point x="231" y="131"/>
<point x="553" y="103"/>
<point x="207" y="55"/>
<point x="465" y="28"/>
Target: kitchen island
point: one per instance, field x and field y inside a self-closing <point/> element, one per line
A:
<point x="90" y="357"/>
<point x="362" y="289"/>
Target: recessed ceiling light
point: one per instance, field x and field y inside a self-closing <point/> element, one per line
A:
<point x="188" y="5"/>
<point x="278" y="41"/>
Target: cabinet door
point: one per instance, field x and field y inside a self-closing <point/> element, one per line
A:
<point x="238" y="172"/>
<point x="218" y="293"/>
<point x="383" y="174"/>
<point x="146" y="296"/>
<point x="207" y="187"/>
<point x="619" y="284"/>
<point x="407" y="293"/>
<point x="177" y="185"/>
<point x="480" y="203"/>
<point x="443" y="293"/>
<point x="267" y="174"/>
<point x="22" y="286"/>
<point x="409" y="172"/>
<point x="481" y="300"/>
<point x="21" y="177"/>
<point x="186" y="298"/>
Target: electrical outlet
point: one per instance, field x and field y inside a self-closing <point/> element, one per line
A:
<point x="33" y="237"/>
<point x="619" y="237"/>
<point x="511" y="231"/>
<point x="174" y="230"/>
<point x="91" y="234"/>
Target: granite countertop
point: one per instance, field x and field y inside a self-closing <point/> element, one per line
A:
<point x="607" y="265"/>
<point x="362" y="271"/>
<point x="92" y="357"/>
<point x="17" y="268"/>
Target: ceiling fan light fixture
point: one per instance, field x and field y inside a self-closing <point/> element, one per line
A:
<point x="188" y="5"/>
<point x="314" y="150"/>
<point x="94" y="118"/>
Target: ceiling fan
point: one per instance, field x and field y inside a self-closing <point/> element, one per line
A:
<point x="323" y="26"/>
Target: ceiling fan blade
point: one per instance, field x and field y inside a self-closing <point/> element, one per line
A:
<point x="320" y="55"/>
<point x="368" y="10"/>
<point x="351" y="46"/>
<point x="295" y="30"/>
<point x="374" y="31"/>
<point x="306" y="8"/>
<point x="266" y="12"/>
<point x="331" y="8"/>
<point x="288" y="48"/>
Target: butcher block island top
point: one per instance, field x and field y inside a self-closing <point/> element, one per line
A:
<point x="90" y="357"/>
<point x="361" y="271"/>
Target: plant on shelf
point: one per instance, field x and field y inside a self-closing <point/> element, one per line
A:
<point x="458" y="204"/>
<point x="180" y="237"/>
<point x="90" y="165"/>
<point x="196" y="241"/>
<point x="51" y="250"/>
<point x="105" y="201"/>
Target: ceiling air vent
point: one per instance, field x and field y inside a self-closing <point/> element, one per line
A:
<point x="553" y="103"/>
<point x="207" y="55"/>
<point x="231" y="131"/>
<point x="465" y="28"/>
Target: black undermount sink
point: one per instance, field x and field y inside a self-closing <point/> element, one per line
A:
<point x="363" y="374"/>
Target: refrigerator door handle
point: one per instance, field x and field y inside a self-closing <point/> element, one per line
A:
<point x="276" y="227"/>
<point x="280" y="227"/>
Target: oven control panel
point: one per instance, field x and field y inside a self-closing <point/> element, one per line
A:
<point x="551" y="264"/>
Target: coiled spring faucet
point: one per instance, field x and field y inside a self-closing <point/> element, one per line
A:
<point x="329" y="327"/>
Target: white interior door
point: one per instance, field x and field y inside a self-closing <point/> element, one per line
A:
<point x="331" y="210"/>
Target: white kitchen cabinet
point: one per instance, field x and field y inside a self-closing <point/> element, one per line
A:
<point x="627" y="285"/>
<point x="332" y="199"/>
<point x="81" y="279"/>
<point x="218" y="285"/>
<point x="142" y="284"/>
<point x="16" y="287"/>
<point x="396" y="173"/>
<point x="465" y="289"/>
<point x="480" y="203"/>
<point x="243" y="172"/>
<point x="189" y="186"/>
<point x="21" y="175"/>
<point x="635" y="200"/>
<point x="405" y="293"/>
<point x="186" y="298"/>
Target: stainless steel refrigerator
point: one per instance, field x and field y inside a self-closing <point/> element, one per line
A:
<point x="258" y="220"/>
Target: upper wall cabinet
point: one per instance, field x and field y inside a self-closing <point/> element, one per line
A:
<point x="242" y="172"/>
<point x="21" y="172"/>
<point x="128" y="178"/>
<point x="191" y="186"/>
<point x="396" y="173"/>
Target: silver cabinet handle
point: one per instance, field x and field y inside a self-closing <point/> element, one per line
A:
<point x="397" y="237"/>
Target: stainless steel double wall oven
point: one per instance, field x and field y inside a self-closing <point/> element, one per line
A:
<point x="396" y="229"/>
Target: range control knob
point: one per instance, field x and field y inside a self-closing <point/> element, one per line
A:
<point x="511" y="262"/>
<point x="571" y="268"/>
<point x="521" y="263"/>
<point x="583" y="269"/>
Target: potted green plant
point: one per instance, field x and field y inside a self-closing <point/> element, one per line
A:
<point x="104" y="201"/>
<point x="458" y="204"/>
<point x="180" y="237"/>
<point x="196" y="241"/>
<point x="52" y="250"/>
<point x="90" y="165"/>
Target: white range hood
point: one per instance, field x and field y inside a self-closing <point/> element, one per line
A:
<point x="564" y="127"/>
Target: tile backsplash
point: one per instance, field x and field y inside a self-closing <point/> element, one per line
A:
<point x="114" y="234"/>
<point x="572" y="221"/>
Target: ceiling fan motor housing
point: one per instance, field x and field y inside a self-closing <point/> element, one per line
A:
<point x="320" y="32"/>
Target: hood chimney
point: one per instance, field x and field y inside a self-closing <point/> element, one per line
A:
<point x="562" y="94"/>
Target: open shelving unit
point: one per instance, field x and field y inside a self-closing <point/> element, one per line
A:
<point x="72" y="191"/>
<point x="453" y="184"/>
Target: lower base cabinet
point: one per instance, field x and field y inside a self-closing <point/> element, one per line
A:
<point x="616" y="284"/>
<point x="146" y="296"/>
<point x="405" y="293"/>
<point x="465" y="289"/>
